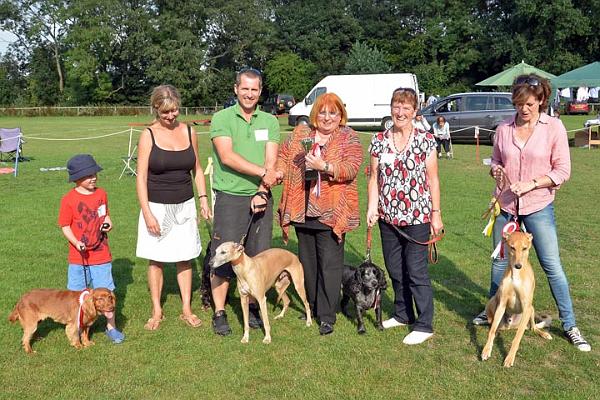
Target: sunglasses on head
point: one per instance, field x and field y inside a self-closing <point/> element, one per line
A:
<point x="527" y="80"/>
<point x="248" y="69"/>
<point x="401" y="89"/>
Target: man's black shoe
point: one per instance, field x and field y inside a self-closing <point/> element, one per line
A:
<point x="254" y="317"/>
<point x="220" y="324"/>
<point x="325" y="328"/>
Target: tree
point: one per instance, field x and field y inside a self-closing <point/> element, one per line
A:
<point x="38" y="23"/>
<point x="366" y="60"/>
<point x="288" y="73"/>
<point x="12" y="84"/>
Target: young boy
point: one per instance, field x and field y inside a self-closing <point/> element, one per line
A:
<point x="84" y="220"/>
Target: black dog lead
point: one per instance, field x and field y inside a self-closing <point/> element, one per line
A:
<point x="92" y="247"/>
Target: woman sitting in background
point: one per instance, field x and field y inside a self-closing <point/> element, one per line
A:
<point x="441" y="131"/>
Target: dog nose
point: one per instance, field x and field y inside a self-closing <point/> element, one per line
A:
<point x="518" y="266"/>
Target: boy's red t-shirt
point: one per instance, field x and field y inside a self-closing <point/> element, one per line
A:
<point x="85" y="215"/>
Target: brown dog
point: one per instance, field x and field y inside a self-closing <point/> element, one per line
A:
<point x="514" y="296"/>
<point x="255" y="275"/>
<point x="63" y="307"/>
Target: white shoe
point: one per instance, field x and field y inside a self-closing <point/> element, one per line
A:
<point x="391" y="323"/>
<point x="416" y="337"/>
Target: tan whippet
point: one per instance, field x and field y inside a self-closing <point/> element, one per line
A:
<point x="255" y="275"/>
<point x="514" y="296"/>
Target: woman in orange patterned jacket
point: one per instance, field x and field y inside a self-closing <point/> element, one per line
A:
<point x="319" y="166"/>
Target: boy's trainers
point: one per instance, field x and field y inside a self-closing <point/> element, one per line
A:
<point x="481" y="319"/>
<point x="115" y="336"/>
<point x="577" y="339"/>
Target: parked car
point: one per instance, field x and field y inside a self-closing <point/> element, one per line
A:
<point x="463" y="111"/>
<point x="278" y="103"/>
<point x="230" y="102"/>
<point x="577" y="107"/>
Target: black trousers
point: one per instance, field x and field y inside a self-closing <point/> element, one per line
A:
<point x="406" y="264"/>
<point x="323" y="260"/>
<point x="232" y="216"/>
<point x="443" y="142"/>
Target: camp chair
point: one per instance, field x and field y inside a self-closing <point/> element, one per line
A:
<point x="130" y="160"/>
<point x="10" y="143"/>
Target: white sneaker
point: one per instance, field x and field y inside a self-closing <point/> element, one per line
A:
<point x="391" y="323"/>
<point x="416" y="337"/>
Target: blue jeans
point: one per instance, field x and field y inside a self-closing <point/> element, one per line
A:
<point x="542" y="226"/>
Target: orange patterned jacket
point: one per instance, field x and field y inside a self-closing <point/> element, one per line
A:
<point x="337" y="204"/>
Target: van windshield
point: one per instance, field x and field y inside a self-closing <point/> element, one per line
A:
<point x="314" y="94"/>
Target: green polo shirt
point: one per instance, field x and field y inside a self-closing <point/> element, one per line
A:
<point x="249" y="140"/>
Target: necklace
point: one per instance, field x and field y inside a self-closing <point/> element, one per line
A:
<point x="405" y="145"/>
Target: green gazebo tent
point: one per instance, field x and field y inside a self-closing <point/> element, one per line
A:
<point x="506" y="77"/>
<point x="588" y="75"/>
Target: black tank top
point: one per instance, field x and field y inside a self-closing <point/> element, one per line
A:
<point x="169" y="173"/>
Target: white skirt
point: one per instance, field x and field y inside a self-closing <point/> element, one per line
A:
<point x="179" y="239"/>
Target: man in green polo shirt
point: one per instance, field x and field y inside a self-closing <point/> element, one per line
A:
<point x="245" y="144"/>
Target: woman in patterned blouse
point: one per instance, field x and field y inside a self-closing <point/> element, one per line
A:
<point x="318" y="166"/>
<point x="404" y="194"/>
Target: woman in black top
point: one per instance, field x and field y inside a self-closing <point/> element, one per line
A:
<point x="167" y="230"/>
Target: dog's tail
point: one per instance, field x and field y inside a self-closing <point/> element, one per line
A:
<point x="14" y="315"/>
<point x="543" y="321"/>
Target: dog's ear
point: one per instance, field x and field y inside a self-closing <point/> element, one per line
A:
<point x="529" y="237"/>
<point x="380" y="277"/>
<point x="506" y="235"/>
<point x="239" y="247"/>
<point x="89" y="305"/>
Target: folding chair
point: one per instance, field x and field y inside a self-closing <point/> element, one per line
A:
<point x="10" y="143"/>
<point x="130" y="160"/>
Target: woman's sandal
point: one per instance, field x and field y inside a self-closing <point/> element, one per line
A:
<point x="191" y="319"/>
<point x="153" y="323"/>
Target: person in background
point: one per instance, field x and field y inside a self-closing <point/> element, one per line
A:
<point x="404" y="198"/>
<point x="421" y="122"/>
<point x="84" y="220"/>
<point x="320" y="200"/>
<point x="530" y="161"/>
<point x="168" y="166"/>
<point x="441" y="132"/>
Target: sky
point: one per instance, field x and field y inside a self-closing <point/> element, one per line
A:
<point x="5" y="39"/>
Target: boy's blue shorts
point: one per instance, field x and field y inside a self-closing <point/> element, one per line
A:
<point x="98" y="276"/>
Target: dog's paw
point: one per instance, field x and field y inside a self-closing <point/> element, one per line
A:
<point x="245" y="339"/>
<point x="509" y="361"/>
<point x="89" y="343"/>
<point x="485" y="354"/>
<point x="267" y="340"/>
<point x="361" y="330"/>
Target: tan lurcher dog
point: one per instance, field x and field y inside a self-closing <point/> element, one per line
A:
<point x="514" y="296"/>
<point x="255" y="275"/>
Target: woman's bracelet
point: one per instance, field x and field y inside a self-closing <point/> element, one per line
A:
<point x="436" y="210"/>
<point x="202" y="195"/>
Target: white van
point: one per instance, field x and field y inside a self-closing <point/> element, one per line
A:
<point x="366" y="97"/>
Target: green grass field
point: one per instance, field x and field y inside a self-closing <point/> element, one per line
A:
<point x="180" y="362"/>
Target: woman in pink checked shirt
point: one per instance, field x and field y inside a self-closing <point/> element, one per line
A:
<point x="530" y="161"/>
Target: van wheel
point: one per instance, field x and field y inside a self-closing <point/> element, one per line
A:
<point x="492" y="134"/>
<point x="387" y="123"/>
<point x="302" y="121"/>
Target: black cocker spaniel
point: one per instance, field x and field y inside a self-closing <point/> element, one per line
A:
<point x="365" y="286"/>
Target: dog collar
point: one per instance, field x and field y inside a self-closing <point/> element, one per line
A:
<point x="80" y="311"/>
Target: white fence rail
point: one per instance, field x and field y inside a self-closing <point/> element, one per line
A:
<point x="97" y="111"/>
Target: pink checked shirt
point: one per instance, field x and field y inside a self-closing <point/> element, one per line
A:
<point x="545" y="153"/>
